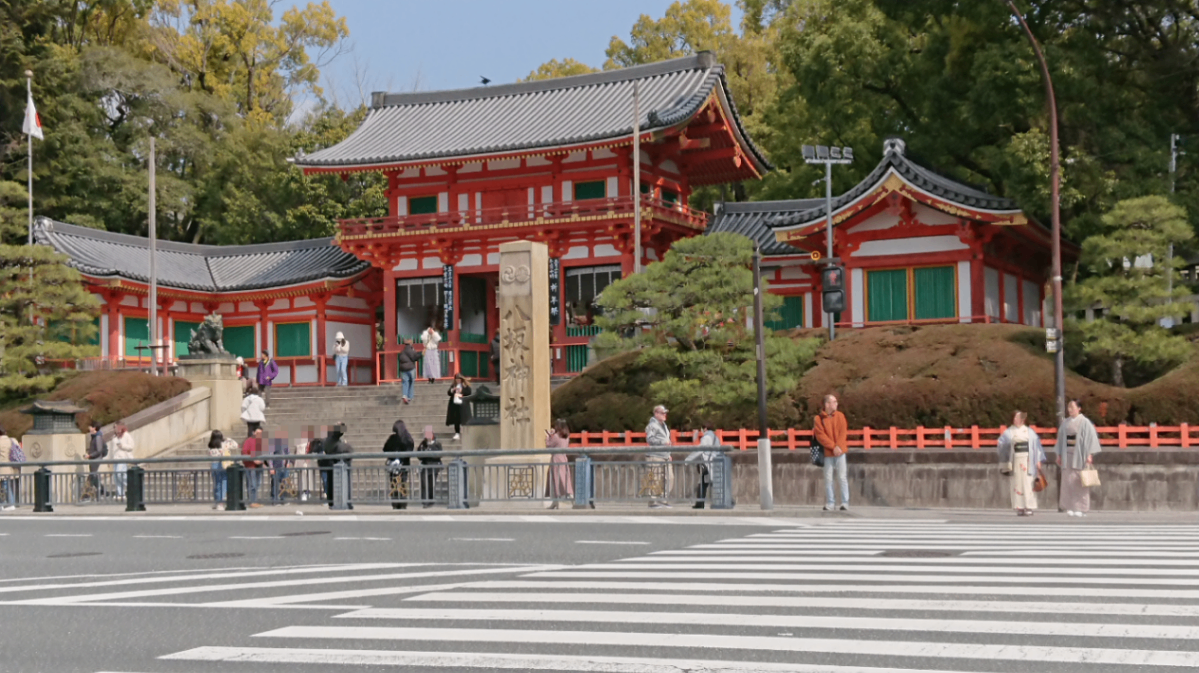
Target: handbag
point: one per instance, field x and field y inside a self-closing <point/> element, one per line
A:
<point x="1089" y="477"/>
<point x="1040" y="484"/>
<point x="457" y="398"/>
<point x="15" y="453"/>
<point x="817" y="452"/>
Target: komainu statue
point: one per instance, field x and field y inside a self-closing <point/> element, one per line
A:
<point x="206" y="339"/>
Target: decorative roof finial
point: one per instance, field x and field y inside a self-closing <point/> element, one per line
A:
<point x="894" y="145"/>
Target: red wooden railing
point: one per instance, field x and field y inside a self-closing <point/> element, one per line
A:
<point x="919" y="438"/>
<point x="385" y="360"/>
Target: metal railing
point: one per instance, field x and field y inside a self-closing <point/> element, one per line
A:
<point x="453" y="479"/>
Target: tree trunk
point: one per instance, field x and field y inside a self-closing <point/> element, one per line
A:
<point x="1118" y="372"/>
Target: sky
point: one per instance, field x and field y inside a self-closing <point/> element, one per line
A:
<point x="402" y="45"/>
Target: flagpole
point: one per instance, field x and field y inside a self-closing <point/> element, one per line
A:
<point x="29" y="138"/>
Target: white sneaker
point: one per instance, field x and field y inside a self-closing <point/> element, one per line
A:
<point x="1071" y="512"/>
<point x="9" y="508"/>
<point x="457" y="436"/>
<point x="220" y="507"/>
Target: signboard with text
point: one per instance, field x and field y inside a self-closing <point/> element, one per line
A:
<point x="555" y="291"/>
<point x="447" y="299"/>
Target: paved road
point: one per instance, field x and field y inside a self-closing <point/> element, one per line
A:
<point x="603" y="593"/>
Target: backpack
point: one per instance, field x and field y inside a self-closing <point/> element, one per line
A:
<point x="15" y="453"/>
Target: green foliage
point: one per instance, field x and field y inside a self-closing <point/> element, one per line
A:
<point x="554" y="68"/>
<point x="687" y="315"/>
<point x="1127" y="267"/>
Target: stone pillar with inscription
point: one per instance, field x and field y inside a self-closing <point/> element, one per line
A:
<point x="524" y="345"/>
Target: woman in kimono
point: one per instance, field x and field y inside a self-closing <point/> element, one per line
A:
<point x="1021" y="455"/>
<point x="1077" y="444"/>
<point x="430" y="338"/>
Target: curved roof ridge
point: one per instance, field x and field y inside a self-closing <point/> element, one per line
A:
<point x="201" y="249"/>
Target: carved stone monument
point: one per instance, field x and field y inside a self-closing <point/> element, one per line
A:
<point x="524" y="345"/>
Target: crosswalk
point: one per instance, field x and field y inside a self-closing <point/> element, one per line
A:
<point x="838" y="597"/>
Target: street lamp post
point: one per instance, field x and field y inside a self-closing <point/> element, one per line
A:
<point x="828" y="156"/>
<point x="1055" y="339"/>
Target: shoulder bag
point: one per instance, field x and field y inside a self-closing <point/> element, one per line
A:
<point x="1089" y="477"/>
<point x="817" y="452"/>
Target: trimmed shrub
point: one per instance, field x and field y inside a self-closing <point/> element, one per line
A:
<point x="108" y="396"/>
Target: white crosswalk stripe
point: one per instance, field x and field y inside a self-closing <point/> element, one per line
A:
<point x="843" y="597"/>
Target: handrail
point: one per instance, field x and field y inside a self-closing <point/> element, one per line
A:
<point x="920" y="438"/>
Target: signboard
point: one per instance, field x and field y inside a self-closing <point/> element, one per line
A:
<point x="447" y="298"/>
<point x="555" y="291"/>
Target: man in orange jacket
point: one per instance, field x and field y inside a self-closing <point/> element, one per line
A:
<point x="832" y="431"/>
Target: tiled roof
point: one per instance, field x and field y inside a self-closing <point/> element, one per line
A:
<point x="529" y="115"/>
<point x="750" y="220"/>
<point x="917" y="175"/>
<point x="205" y="268"/>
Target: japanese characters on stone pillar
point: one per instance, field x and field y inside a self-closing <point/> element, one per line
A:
<point x="524" y="345"/>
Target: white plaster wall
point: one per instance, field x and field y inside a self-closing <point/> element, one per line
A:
<point x="537" y="161"/>
<point x="503" y="164"/>
<point x="443" y="202"/>
<point x="471" y="260"/>
<point x="197" y="307"/>
<point x="434" y="170"/>
<point x="348" y="302"/>
<point x="226" y="307"/>
<point x="606" y="250"/>
<point x="431" y="263"/>
<point x="613" y="187"/>
<point x="473" y="167"/>
<point x="130" y="300"/>
<point x="410" y="173"/>
<point x="646" y="159"/>
<point x="359" y="337"/>
<point x="807" y="310"/>
<point x="575" y="156"/>
<point x="179" y="307"/>
<point x="280" y="305"/>
<point x="875" y="223"/>
<point x="602" y="153"/>
<point x="991" y="285"/>
<point x="284" y="374"/>
<point x="650" y="253"/>
<point x="104" y="334"/>
<point x="793" y="272"/>
<point x="965" y="301"/>
<point x="246" y="307"/>
<point x="302" y="302"/>
<point x="493" y="258"/>
<point x="857" y="291"/>
<point x="932" y="216"/>
<point x="911" y="246"/>
<point x="568" y="190"/>
<point x="1032" y="304"/>
<point x="1011" y="298"/>
<point x="401" y="205"/>
<point x="463" y="202"/>
<point x="669" y="166"/>
<point x="547" y="193"/>
<point x="576" y="252"/>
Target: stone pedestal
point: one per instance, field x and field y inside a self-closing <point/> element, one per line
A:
<point x="219" y="375"/>
<point x="524" y="345"/>
<point x="478" y="438"/>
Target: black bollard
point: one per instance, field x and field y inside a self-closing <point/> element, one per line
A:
<point x="135" y="489"/>
<point x="235" y="480"/>
<point x="41" y="490"/>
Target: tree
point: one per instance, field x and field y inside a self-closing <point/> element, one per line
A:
<point x="554" y="68"/>
<point x="1127" y="263"/>
<point x="688" y="315"/>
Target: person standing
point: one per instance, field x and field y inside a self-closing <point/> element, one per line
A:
<point x="336" y="445"/>
<point x="432" y="357"/>
<point x="279" y="467"/>
<point x="831" y="431"/>
<point x="120" y="447"/>
<point x="217" y="449"/>
<point x="268" y="369"/>
<point x="560" y="486"/>
<point x="495" y="356"/>
<point x="241" y="375"/>
<point x="407" y="365"/>
<point x="341" y="355"/>
<point x="1022" y="456"/>
<point x="400" y="441"/>
<point x="253" y="411"/>
<point x="252" y="447"/>
<point x="658" y="434"/>
<point x="96" y="450"/>
<point x="428" y="466"/>
<point x="703" y="460"/>
<point x="1077" y="444"/>
<point x="12" y="474"/>
<point x="458" y="393"/>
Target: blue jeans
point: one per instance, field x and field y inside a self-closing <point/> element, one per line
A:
<point x="220" y="483"/>
<point x="10" y="495"/>
<point x="830" y="464"/>
<point x="343" y="375"/>
<point x="407" y="379"/>
<point x="253" y="481"/>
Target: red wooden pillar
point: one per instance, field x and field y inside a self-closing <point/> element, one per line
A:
<point x="389" y="321"/>
<point x="978" y="284"/>
<point x="264" y="343"/>
<point x="1020" y="298"/>
<point x="321" y="301"/>
<point x="114" y="325"/>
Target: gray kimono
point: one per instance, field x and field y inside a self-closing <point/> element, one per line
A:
<point x="1036" y="452"/>
<point x="1086" y="442"/>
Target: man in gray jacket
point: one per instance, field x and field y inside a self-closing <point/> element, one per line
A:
<point x="657" y="434"/>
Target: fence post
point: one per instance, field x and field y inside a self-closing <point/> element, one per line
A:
<point x="341" y="483"/>
<point x="41" y="490"/>
<point x="1184" y="433"/>
<point x="894" y="438"/>
<point x="456" y="478"/>
<point x="1153" y="443"/>
<point x="584" y="483"/>
<point x="235" y="480"/>
<point x="866" y="438"/>
<point x="919" y="437"/>
<point x="135" y="489"/>
<point x="1122" y="436"/>
<point x="722" y="482"/>
<point x="974" y="437"/>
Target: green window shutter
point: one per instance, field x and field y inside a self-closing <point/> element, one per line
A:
<point x="887" y="292"/>
<point x="645" y="188"/>
<point x="422" y="205"/>
<point x="137" y="333"/>
<point x="669" y="196"/>
<point x="183" y="335"/>
<point x="293" y="340"/>
<point x="935" y="293"/>
<point x="790" y="314"/>
<point x="590" y="190"/>
<point x="241" y="341"/>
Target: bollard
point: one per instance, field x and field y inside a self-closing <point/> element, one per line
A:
<point x="722" y="482"/>
<point x="341" y="486"/>
<point x="235" y="481"/>
<point x="41" y="490"/>
<point x="135" y="489"/>
<point x="584" y="482"/>
<point x="456" y="480"/>
<point x="765" y="474"/>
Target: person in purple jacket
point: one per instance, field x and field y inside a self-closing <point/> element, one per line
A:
<point x="267" y="371"/>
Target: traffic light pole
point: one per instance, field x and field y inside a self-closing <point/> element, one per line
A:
<point x="828" y="209"/>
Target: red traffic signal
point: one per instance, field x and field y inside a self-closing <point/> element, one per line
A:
<point x="833" y="278"/>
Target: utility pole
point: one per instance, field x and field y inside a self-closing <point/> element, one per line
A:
<point x="1054" y="340"/>
<point x="821" y="154"/>
<point x="765" y="467"/>
<point x="1174" y="152"/>
<point x="154" y="341"/>
<point x="29" y="139"/>
<point x="636" y="177"/>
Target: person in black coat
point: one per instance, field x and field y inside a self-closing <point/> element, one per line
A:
<point x="458" y="393"/>
<point x="335" y="446"/>
<point x="495" y="356"/>
<point x="428" y="471"/>
<point x="400" y="441"/>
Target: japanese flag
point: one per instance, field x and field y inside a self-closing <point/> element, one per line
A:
<point x="33" y="123"/>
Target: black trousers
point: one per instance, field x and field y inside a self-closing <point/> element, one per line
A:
<point x="705" y="480"/>
<point x="428" y="473"/>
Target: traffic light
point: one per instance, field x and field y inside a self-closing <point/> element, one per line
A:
<point x="833" y="280"/>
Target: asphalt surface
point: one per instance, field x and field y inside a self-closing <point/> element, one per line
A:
<point x="612" y="593"/>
